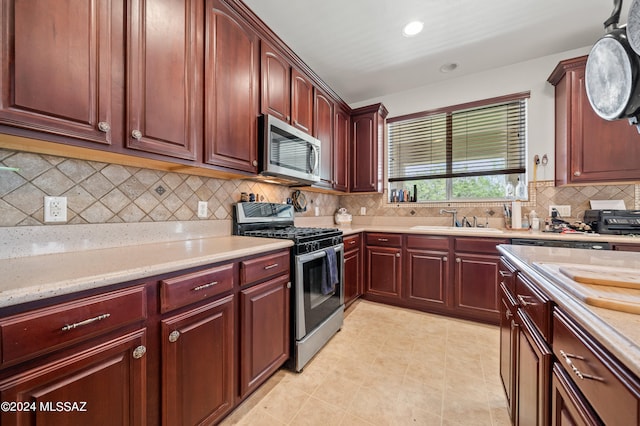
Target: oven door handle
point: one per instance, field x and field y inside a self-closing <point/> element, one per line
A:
<point x="317" y="254"/>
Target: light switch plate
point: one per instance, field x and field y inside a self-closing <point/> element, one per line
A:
<point x="563" y="210"/>
<point x="55" y="209"/>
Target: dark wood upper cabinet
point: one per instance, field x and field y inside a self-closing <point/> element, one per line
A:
<point x="62" y="65"/>
<point x="165" y="88"/>
<point x="341" y="140"/>
<point x="589" y="149"/>
<point x="301" y="101"/>
<point x="366" y="154"/>
<point x="276" y="83"/>
<point x="323" y="131"/>
<point x="232" y="72"/>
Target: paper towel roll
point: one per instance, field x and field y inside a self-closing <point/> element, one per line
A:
<point x="516" y="215"/>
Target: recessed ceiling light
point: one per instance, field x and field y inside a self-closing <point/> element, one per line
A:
<point x="451" y="66"/>
<point x="412" y="28"/>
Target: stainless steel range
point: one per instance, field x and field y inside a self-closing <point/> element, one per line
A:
<point x="317" y="308"/>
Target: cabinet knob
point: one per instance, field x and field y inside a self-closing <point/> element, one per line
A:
<point x="458" y="260"/>
<point x="444" y="259"/>
<point x="397" y="254"/>
<point x="255" y="163"/>
<point x="174" y="336"/>
<point x="577" y="173"/>
<point x="508" y="314"/>
<point x="103" y="126"/>
<point x="136" y="134"/>
<point x="139" y="352"/>
<point x="289" y="284"/>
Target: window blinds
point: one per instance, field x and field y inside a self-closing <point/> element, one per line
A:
<point x="488" y="138"/>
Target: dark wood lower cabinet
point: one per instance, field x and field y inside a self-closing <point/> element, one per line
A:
<point x="105" y="384"/>
<point x="568" y="406"/>
<point x="198" y="364"/>
<point x="352" y="276"/>
<point x="427" y="276"/>
<point x="384" y="271"/>
<point x="508" y="347"/>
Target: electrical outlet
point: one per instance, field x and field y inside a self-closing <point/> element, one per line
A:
<point x="363" y="211"/>
<point x="55" y="209"/>
<point x="563" y="210"/>
<point x="202" y="209"/>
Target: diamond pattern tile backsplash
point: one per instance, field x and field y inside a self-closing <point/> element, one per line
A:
<point x="108" y="193"/>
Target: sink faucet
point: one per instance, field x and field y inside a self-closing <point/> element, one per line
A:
<point x="454" y="214"/>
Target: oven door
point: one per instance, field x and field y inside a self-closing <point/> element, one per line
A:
<point x="312" y="307"/>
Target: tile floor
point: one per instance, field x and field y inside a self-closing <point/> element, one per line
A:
<point x="389" y="366"/>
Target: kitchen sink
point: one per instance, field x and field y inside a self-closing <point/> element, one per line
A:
<point x="462" y="230"/>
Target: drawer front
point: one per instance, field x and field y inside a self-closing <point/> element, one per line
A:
<point x="44" y="330"/>
<point x="535" y="304"/>
<point x="611" y="391"/>
<point x="261" y="268"/>
<point x="479" y="245"/>
<point x="351" y="242"/>
<point x="190" y="288"/>
<point x="507" y="275"/>
<point x="427" y="242"/>
<point x="385" y="240"/>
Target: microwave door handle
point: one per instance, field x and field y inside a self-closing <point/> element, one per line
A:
<point x="316" y="158"/>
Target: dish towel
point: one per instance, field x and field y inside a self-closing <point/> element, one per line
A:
<point x="330" y="276"/>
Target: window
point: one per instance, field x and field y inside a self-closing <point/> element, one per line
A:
<point x="461" y="153"/>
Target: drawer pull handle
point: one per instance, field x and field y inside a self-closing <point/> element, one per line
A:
<point x="352" y="242"/>
<point x="85" y="322"/>
<point x="270" y="266"/>
<point x="202" y="287"/>
<point x="139" y="352"/>
<point x="567" y="358"/>
<point x="384" y="240"/>
<point x="508" y="314"/>
<point x="504" y="274"/>
<point x="173" y="336"/>
<point x="524" y="302"/>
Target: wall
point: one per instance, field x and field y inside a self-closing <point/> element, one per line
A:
<point x="107" y="193"/>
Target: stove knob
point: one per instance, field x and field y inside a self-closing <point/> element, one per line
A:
<point x="316" y="245"/>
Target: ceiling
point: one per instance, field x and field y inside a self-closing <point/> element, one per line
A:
<point x="357" y="46"/>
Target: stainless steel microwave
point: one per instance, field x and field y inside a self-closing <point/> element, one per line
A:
<point x="289" y="154"/>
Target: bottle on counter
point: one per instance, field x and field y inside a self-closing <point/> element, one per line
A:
<point x="534" y="220"/>
<point x="521" y="190"/>
<point x="509" y="192"/>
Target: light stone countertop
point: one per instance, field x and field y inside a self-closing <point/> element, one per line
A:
<point x="30" y="278"/>
<point x="619" y="332"/>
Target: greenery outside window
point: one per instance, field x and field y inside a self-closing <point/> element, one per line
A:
<point x="465" y="152"/>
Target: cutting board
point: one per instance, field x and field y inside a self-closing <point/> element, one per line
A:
<point x="624" y="298"/>
<point x="603" y="275"/>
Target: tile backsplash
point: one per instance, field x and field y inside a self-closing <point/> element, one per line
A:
<point x="109" y="193"/>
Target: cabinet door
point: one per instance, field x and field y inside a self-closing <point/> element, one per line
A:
<point x="232" y="61"/>
<point x="476" y="285"/>
<point x="264" y="331"/>
<point x="164" y="102"/>
<point x="301" y="101"/>
<point x="427" y="277"/>
<point x="102" y="385"/>
<point x="568" y="406"/>
<point x="323" y="131"/>
<point x="62" y="66"/>
<point x="533" y="373"/>
<point x="341" y="151"/>
<point x="276" y="83"/>
<point x="363" y="154"/>
<point x="352" y="276"/>
<point x="508" y="347"/>
<point x="384" y="271"/>
<point x="198" y="364"/>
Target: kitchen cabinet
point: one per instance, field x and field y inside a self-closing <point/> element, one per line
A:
<point x="231" y="105"/>
<point x="508" y="348"/>
<point x="352" y="268"/>
<point x="568" y="406"/>
<point x="366" y="151"/>
<point x="342" y="128"/>
<point x="323" y="120"/>
<point x="625" y="247"/>
<point x="60" y="75"/>
<point x="276" y="83"/>
<point x="588" y="148"/>
<point x="476" y="278"/>
<point x="427" y="271"/>
<point x="164" y="78"/>
<point x="384" y="266"/>
<point x="301" y="101"/>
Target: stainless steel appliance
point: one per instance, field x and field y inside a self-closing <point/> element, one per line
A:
<point x="317" y="309"/>
<point x="288" y="154"/>
<point x="618" y="222"/>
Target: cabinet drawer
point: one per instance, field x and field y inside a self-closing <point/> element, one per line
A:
<point x="479" y="245"/>
<point x="612" y="392"/>
<point x="351" y="242"/>
<point x="535" y="304"/>
<point x="386" y="240"/>
<point x="190" y="288"/>
<point x="44" y="330"/>
<point x="427" y="242"/>
<point x="507" y="274"/>
<point x="260" y="268"/>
